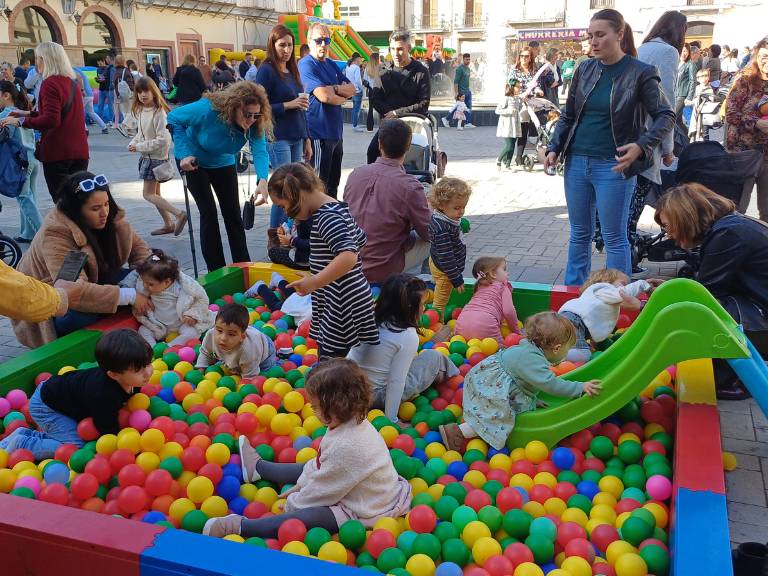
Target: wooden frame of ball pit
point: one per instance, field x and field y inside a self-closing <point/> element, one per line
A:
<point x="36" y="534"/>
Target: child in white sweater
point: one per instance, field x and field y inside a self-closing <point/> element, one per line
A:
<point x="595" y="312"/>
<point x="235" y="345"/>
<point x="352" y="477"/>
<point x="180" y="304"/>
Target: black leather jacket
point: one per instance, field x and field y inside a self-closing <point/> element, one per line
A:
<point x="734" y="268"/>
<point x="634" y="95"/>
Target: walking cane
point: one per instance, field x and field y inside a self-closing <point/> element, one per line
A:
<point x="189" y="223"/>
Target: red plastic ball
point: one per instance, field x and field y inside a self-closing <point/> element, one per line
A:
<point x="287" y="455"/>
<point x="290" y="531"/>
<point x="654" y="446"/>
<point x="54" y="494"/>
<point x="158" y="482"/>
<point x="652" y="411"/>
<point x="472" y="570"/>
<point x="100" y="468"/>
<point x="132" y="499"/>
<point x="42" y="377"/>
<point x="582" y="548"/>
<point x="165" y="425"/>
<point x="568" y="531"/>
<point x="254" y="510"/>
<point x="380" y="540"/>
<point x="192" y="458"/>
<point x="564" y="490"/>
<point x="541" y="493"/>
<point x="508" y="498"/>
<point x="280" y="443"/>
<point x="603" y="569"/>
<point x="309" y="360"/>
<point x="422" y="519"/>
<point x="464" y="370"/>
<point x="498" y="566"/>
<point x="246" y="423"/>
<point x="499" y="476"/>
<point x="603" y="535"/>
<point x="612" y="431"/>
<point x="476" y="358"/>
<point x="633" y="428"/>
<point x="477" y="499"/>
<point x="581" y="440"/>
<point x="547" y="466"/>
<point x="211" y="471"/>
<point x="87" y="430"/>
<point x="131" y="475"/>
<point x="518" y="553"/>
<point x="512" y="339"/>
<point x="627" y="505"/>
<point x="84" y="486"/>
<point x="120" y="458"/>
<point x="20" y="455"/>
<point x="404" y="443"/>
<point x="481" y="466"/>
<point x="594" y="464"/>
<point x="523" y="467"/>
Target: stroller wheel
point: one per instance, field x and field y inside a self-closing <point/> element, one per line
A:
<point x="528" y="162"/>
<point x="10" y="251"/>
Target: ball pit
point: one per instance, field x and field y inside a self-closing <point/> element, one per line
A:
<point x="596" y="504"/>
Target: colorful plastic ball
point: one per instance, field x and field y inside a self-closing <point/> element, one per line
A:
<point x="422" y="519"/>
<point x="601" y="447"/>
<point x="656" y="558"/>
<point x="630" y="564"/>
<point x="528" y="569"/>
<point x="291" y="530"/>
<point x="536" y="451"/>
<point x="87" y="430"/>
<point x="333" y="552"/>
<point x="448" y="569"/>
<point x="380" y="540"/>
<point x="420" y="565"/>
<point x="543" y="548"/>
<point x="485" y="548"/>
<point x="132" y="499"/>
<point x="517" y="523"/>
<point x="199" y="489"/>
<point x="390" y="559"/>
<point x="16" y="398"/>
<point x="56" y="473"/>
<point x="315" y="538"/>
<point x="543" y="527"/>
<point x="659" y="487"/>
<point x="158" y="482"/>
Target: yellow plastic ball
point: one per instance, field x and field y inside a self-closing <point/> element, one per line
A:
<point x="629" y="436"/>
<point x="389" y="524"/>
<point x="434" y="450"/>
<point x="215" y="507"/>
<point x="293" y="401"/>
<point x="555" y="506"/>
<point x="478" y="444"/>
<point x="458" y="338"/>
<point x="159" y="365"/>
<point x="199" y="489"/>
<point x="489" y="346"/>
<point x="418" y="485"/>
<point x="473" y="531"/>
<point x="604" y="512"/>
<point x="535" y="509"/>
<point x="500" y="462"/>
<point x="546" y="478"/>
<point x="658" y="511"/>
<point x="234" y="538"/>
<point x="451" y="456"/>
<point x="605" y="498"/>
<point x="155" y="378"/>
<point x="651" y="429"/>
<point x="34" y="472"/>
<point x="281" y="424"/>
<point x="183" y="368"/>
<point x="265" y="413"/>
<point x="152" y="440"/>
<point x="420" y="565"/>
<point x="192" y="399"/>
<point x="528" y="569"/>
<point x="185" y="478"/>
<point x="631" y="565"/>
<point x="170" y="449"/>
<point x="305" y="455"/>
<point x="576" y="566"/>
<point x="436" y="491"/>
<point x="106" y="444"/>
<point x="444" y="351"/>
<point x="24" y="465"/>
<point x="517" y="454"/>
<point x="296" y="547"/>
<point x="307" y="411"/>
<point x="311" y="424"/>
<point x="575" y="515"/>
<point x="522" y="481"/>
<point x="180" y="507"/>
<point x="612" y="485"/>
<point x="617" y="549"/>
<point x="266" y="496"/>
<point x="129" y="441"/>
<point x="218" y="410"/>
<point x="7" y="479"/>
<point x="217" y="454"/>
<point x="298" y="432"/>
<point x="205" y="389"/>
<point x="249" y="407"/>
<point x="665" y="378"/>
<point x="282" y="388"/>
<point x="139" y="401"/>
<point x="300" y="349"/>
<point x="454" y="409"/>
<point x="560" y="572"/>
<point x="476" y="478"/>
<point x="389" y="433"/>
<point x="333" y="552"/>
<point x="729" y="462"/>
<point x="248" y="491"/>
<point x="148" y="461"/>
<point x="536" y="451"/>
<point x="484" y="548"/>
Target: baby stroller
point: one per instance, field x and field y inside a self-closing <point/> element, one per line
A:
<point x="729" y="174"/>
<point x="10" y="251"/>
<point x="441" y="85"/>
<point x="424" y="159"/>
<point x="706" y="115"/>
<point x="537" y="109"/>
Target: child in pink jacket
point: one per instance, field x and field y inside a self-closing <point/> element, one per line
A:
<point x="490" y="304"/>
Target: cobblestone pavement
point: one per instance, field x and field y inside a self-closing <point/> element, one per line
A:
<point x="521" y="216"/>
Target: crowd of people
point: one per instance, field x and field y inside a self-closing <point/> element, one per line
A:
<point x="290" y="116"/>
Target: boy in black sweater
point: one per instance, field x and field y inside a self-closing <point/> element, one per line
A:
<point x="59" y="403"/>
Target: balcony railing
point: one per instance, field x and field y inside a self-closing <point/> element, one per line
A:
<point x="700" y="2"/>
<point x="600" y="4"/>
<point x="471" y="20"/>
<point x="431" y="22"/>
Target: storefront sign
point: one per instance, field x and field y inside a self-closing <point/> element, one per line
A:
<point x="552" y="34"/>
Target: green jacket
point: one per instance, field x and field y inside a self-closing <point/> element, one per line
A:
<point x="461" y="80"/>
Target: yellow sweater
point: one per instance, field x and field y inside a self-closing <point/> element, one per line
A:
<point x="25" y="298"/>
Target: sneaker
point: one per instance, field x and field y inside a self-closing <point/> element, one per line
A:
<point x="224" y="526"/>
<point x="105" y="130"/>
<point x="275" y="280"/>
<point x="122" y="131"/>
<point x="249" y="458"/>
<point x="358" y="129"/>
<point x="469" y="125"/>
<point x="162" y="231"/>
<point x="452" y="436"/>
<point x="459" y="127"/>
<point x="445" y="122"/>
<point x="181" y="221"/>
<point x="252" y="292"/>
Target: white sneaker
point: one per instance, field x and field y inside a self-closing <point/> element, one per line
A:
<point x="249" y="458"/>
<point x="253" y="291"/>
<point x="275" y="280"/>
<point x="122" y="131"/>
<point x="459" y="127"/>
<point x="358" y="129"/>
<point x="445" y="122"/>
<point x="469" y="125"/>
<point x="224" y="526"/>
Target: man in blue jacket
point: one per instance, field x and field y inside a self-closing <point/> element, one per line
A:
<point x="328" y="89"/>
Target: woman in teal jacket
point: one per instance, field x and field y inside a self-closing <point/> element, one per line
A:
<point x="207" y="135"/>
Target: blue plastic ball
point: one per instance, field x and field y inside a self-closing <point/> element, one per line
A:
<point x="296" y="359"/>
<point x="432" y="436"/>
<point x="420" y="454"/>
<point x="232" y="470"/>
<point x="237" y="505"/>
<point x="281" y="324"/>
<point x="153" y="517"/>
<point x="587" y="488"/>
<point x="375" y="291"/>
<point x="56" y="473"/>
<point x="548" y="567"/>
<point x="428" y="345"/>
<point x="563" y="458"/>
<point x="523" y="494"/>
<point x="448" y="569"/>
<point x="492" y="452"/>
<point x="228" y="488"/>
<point x="167" y="395"/>
<point x="302" y="442"/>
<point x="457" y="469"/>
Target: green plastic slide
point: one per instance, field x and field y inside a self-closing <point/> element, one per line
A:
<point x="681" y="321"/>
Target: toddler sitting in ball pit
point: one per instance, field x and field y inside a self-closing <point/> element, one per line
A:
<point x="236" y="345"/>
<point x="352" y="477"/>
<point x="99" y="393"/>
<point x="180" y="304"/>
<point x="595" y="312"/>
<point x="508" y="383"/>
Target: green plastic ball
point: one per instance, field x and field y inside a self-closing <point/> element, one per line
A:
<point x="176" y="412"/>
<point x="591" y="476"/>
<point x="542" y="547"/>
<point x="635" y="530"/>
<point x="391" y="558"/>
<point x="227" y="440"/>
<point x="517" y="523"/>
<point x="445" y="507"/>
<point x="454" y="550"/>
<point x="491" y="517"/>
<point x="437" y="465"/>
<point x="601" y="447"/>
<point x="194" y="520"/>
<point x="664" y="390"/>
<point x="543" y="527"/>
<point x="232" y="401"/>
<point x="445" y="531"/>
<point x="173" y="466"/>
<point x="171" y="359"/>
<point x="579" y="501"/>
<point x="352" y="534"/>
<point x="256" y="541"/>
<point x="457" y="491"/>
<point x="569" y="476"/>
<point x="462" y="516"/>
<point x="458" y="347"/>
<point x="635" y="494"/>
<point x="315" y="538"/>
<point x="425" y="498"/>
<point x="266" y="452"/>
<point x="473" y="455"/>
<point x="664" y="439"/>
<point x="645" y="515"/>
<point x="656" y="558"/>
<point x="23" y="492"/>
<point x="405" y="542"/>
<point x="456" y="358"/>
<point x="365" y="559"/>
<point x="195" y="418"/>
<point x="630" y="452"/>
<point x="428" y="544"/>
<point x="227" y="382"/>
<point x="630" y="412"/>
<point x="158" y="349"/>
<point x="80" y="458"/>
<point x="158" y="407"/>
<point x="492" y="488"/>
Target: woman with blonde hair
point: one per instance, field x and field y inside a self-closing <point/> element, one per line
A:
<point x="189" y="81"/>
<point x="733" y="255"/>
<point x="60" y="118"/>
<point x="123" y="84"/>
<point x="371" y="80"/>
<point x="207" y="135"/>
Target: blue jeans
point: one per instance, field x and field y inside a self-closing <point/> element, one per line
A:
<point x="54" y="429"/>
<point x="468" y="102"/>
<point x="106" y="103"/>
<point x="282" y="152"/>
<point x="591" y="184"/>
<point x="29" y="215"/>
<point x="357" y="102"/>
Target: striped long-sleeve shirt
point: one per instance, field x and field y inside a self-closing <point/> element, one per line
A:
<point x="447" y="250"/>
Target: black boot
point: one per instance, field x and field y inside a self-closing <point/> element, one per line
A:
<point x="749" y="559"/>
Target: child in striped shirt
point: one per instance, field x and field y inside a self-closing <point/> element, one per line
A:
<point x="448" y="253"/>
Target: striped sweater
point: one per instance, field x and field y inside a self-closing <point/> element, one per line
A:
<point x="447" y="250"/>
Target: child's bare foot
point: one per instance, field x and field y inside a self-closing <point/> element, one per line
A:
<point x="452" y="436"/>
<point x="224" y="526"/>
<point x="249" y="458"/>
<point x="443" y="334"/>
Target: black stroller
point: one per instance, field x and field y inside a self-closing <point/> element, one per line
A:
<point x="10" y="251"/>
<point x="729" y="174"/>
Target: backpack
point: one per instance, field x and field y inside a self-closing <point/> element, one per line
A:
<point x="14" y="165"/>
<point x="123" y="88"/>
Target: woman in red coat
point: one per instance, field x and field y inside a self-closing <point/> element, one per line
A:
<point x="63" y="147"/>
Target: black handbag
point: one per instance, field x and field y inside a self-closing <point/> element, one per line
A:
<point x="249" y="210"/>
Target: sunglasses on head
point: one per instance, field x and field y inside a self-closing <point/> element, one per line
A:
<point x="323" y="40"/>
<point x="91" y="184"/>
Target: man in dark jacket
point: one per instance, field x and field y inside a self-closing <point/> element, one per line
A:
<point x="405" y="88"/>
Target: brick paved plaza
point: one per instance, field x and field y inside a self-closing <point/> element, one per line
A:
<point x="518" y="215"/>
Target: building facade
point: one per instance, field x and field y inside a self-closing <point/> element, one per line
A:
<point x="375" y="20"/>
<point x="139" y="29"/>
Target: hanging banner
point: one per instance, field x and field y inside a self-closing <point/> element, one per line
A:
<point x="434" y="44"/>
<point x="551" y="34"/>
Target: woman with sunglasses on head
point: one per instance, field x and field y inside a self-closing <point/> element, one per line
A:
<point x="87" y="219"/>
<point x="524" y="75"/>
<point x="207" y="135"/>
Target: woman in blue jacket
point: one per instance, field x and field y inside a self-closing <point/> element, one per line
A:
<point x="207" y="135"/>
